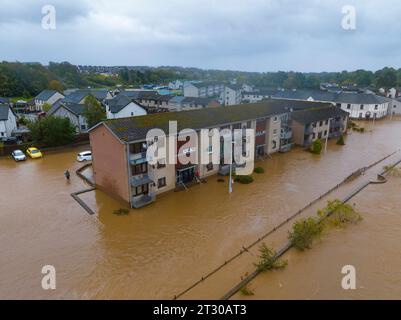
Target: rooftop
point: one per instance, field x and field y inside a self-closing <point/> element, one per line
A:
<point x="135" y="128"/>
<point x="4" y="110"/>
<point x="45" y="95"/>
<point x="317" y="114"/>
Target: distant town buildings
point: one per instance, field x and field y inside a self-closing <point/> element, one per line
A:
<point x="231" y="95"/>
<point x="203" y="89"/>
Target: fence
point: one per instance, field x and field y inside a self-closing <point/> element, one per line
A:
<point x="282" y="251"/>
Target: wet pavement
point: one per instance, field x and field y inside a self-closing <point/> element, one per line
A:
<point x="160" y="250"/>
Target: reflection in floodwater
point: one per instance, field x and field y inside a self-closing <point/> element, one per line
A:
<point x="161" y="249"/>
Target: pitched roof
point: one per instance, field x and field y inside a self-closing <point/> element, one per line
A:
<point x="120" y="102"/>
<point x="46" y="94"/>
<point x="4" y="100"/>
<point x="317" y="114"/>
<point x="235" y="87"/>
<point x="342" y="97"/>
<point x="75" y="108"/>
<point x="198" y="100"/>
<point x="4" y="109"/>
<point x="79" y="95"/>
<point x="135" y="128"/>
<point x="206" y="84"/>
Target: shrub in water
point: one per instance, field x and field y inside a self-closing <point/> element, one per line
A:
<point x="259" y="170"/>
<point x="121" y="212"/>
<point x="340" y="140"/>
<point x="317" y="146"/>
<point x="244" y="179"/>
<point x="268" y="259"/>
<point x="246" y="291"/>
<point x="303" y="233"/>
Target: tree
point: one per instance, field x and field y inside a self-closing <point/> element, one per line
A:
<point x="317" y="146"/>
<point x="52" y="131"/>
<point x="46" y="107"/>
<point x="93" y="111"/>
<point x="340" y="140"/>
<point x="56" y="85"/>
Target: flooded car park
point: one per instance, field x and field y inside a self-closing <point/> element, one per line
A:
<point x="159" y="250"/>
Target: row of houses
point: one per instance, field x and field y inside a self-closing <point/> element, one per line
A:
<point x="119" y="146"/>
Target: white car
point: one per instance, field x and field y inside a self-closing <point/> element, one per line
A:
<point x="18" y="155"/>
<point x="84" y="156"/>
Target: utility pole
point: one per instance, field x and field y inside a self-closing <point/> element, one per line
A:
<point x="230" y="185"/>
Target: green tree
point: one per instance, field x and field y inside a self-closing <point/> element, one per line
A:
<point x="304" y="232"/>
<point x="52" y="131"/>
<point x="93" y="111"/>
<point x="317" y="146"/>
<point x="46" y="107"/>
<point x="56" y="85"/>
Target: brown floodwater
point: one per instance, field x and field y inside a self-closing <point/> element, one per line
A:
<point x="160" y="250"/>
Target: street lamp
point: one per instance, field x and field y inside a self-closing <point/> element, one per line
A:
<point x="230" y="185"/>
<point x="327" y="136"/>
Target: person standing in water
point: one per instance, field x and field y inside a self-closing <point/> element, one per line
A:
<point x="67" y="175"/>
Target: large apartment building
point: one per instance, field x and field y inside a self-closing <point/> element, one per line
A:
<point x="119" y="146"/>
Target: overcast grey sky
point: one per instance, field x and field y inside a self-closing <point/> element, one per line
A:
<point x="254" y="35"/>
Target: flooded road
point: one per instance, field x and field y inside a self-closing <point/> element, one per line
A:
<point x="160" y="250"/>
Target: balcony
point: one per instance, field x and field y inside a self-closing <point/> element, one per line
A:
<point x="143" y="200"/>
<point x="140" y="180"/>
<point x="286" y="135"/>
<point x="137" y="158"/>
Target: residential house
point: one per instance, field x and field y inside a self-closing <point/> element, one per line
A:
<point x="79" y="96"/>
<point x="176" y="85"/>
<point x="203" y="89"/>
<point x="395" y="106"/>
<point x="247" y="88"/>
<point x="323" y="122"/>
<point x="122" y="106"/>
<point x="8" y="121"/>
<point x="119" y="147"/>
<point x="358" y="105"/>
<point x="49" y="97"/>
<point x="231" y="95"/>
<point x="257" y="96"/>
<point x="74" y="112"/>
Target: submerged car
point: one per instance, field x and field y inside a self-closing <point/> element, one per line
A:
<point x="18" y="155"/>
<point x="34" y="153"/>
<point x="84" y="156"/>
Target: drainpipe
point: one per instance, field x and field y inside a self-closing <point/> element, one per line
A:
<point x="327" y="137"/>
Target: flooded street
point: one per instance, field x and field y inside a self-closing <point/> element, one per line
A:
<point x="160" y="250"/>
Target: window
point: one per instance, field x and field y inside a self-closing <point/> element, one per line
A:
<point x="320" y="123"/>
<point x="132" y="114"/>
<point x="210" y="149"/>
<point x="361" y="107"/>
<point x="2" y="134"/>
<point x="139" y="169"/>
<point x="275" y="119"/>
<point x="274" y="143"/>
<point x="161" y="164"/>
<point x="325" y="132"/>
<point x="209" y="167"/>
<point x="83" y="127"/>
<point x="319" y="135"/>
<point x="327" y="122"/>
<point x="376" y="107"/>
<point x="348" y="106"/>
<point x="144" y="189"/>
<point x="161" y="183"/>
<point x="275" y="132"/>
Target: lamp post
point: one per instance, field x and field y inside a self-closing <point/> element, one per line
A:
<point x="230" y="185"/>
<point x="327" y="137"/>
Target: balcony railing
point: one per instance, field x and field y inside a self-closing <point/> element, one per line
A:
<point x="138" y="158"/>
<point x="143" y="200"/>
<point x="140" y="180"/>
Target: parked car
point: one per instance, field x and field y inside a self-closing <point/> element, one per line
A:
<point x="34" y="153"/>
<point x="18" y="155"/>
<point x="84" y="156"/>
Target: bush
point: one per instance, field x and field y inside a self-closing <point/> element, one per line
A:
<point x="303" y="233"/>
<point x="259" y="170"/>
<point x="246" y="291"/>
<point x="121" y="212"/>
<point x="393" y="171"/>
<point x="316" y="147"/>
<point x="52" y="131"/>
<point x="244" y="179"/>
<point x="340" y="140"/>
<point x="341" y="214"/>
<point x="268" y="259"/>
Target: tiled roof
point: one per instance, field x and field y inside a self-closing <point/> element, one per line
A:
<point x="75" y="108"/>
<point x="135" y="128"/>
<point x="4" y="109"/>
<point x="317" y="114"/>
<point x="45" y="95"/>
<point x="119" y="102"/>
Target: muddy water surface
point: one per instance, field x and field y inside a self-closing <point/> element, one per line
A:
<point x="159" y="250"/>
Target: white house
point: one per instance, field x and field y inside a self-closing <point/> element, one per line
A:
<point x="74" y="112"/>
<point x="395" y="106"/>
<point x="122" y="107"/>
<point x="176" y="85"/>
<point x="247" y="88"/>
<point x="358" y="105"/>
<point x="231" y="95"/>
<point x="203" y="89"/>
<point x="47" y="96"/>
<point x="8" y="121"/>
